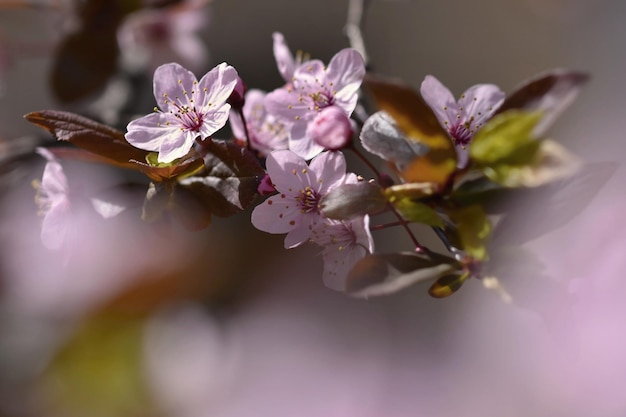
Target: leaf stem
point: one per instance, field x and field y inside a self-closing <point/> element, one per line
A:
<point x="383" y="226"/>
<point x="401" y="221"/>
<point x="366" y="161"/>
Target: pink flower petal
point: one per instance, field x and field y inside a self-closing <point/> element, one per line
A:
<point x="275" y="215"/>
<point x="330" y="168"/>
<point x="301" y="144"/>
<point x="346" y="71"/>
<point x="169" y="85"/>
<point x="287" y="171"/>
<point x="439" y="99"/>
<point x="219" y="84"/>
<point x="283" y="56"/>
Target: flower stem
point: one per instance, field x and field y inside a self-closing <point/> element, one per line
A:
<point x="245" y="129"/>
<point x="366" y="161"/>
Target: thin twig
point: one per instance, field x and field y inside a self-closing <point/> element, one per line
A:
<point x="354" y="22"/>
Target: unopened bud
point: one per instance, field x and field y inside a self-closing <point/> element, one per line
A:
<point x="331" y="128"/>
<point x="237" y="97"/>
<point x="266" y="187"/>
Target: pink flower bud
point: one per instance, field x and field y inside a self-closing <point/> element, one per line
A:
<point x="266" y="187"/>
<point x="331" y="128"/>
<point x="237" y="98"/>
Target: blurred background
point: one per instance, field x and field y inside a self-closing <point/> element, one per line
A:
<point x="225" y="322"/>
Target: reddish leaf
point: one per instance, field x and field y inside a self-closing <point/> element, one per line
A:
<point x="89" y="135"/>
<point x="230" y="179"/>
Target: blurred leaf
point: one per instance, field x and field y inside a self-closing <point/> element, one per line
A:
<point x="84" y="62"/>
<point x="418" y="212"/>
<point x="548" y="93"/>
<point x="412" y="190"/>
<point x="157" y="200"/>
<point x="506" y="138"/>
<point x="351" y="200"/>
<point x="87" y="58"/>
<point x="420" y="124"/>
<point x="541" y="210"/>
<point x="89" y="135"/>
<point x="383" y="274"/>
<point x="114" y="200"/>
<point x="98" y="372"/>
<point x="551" y="162"/>
<point x="382" y="136"/>
<point x="473" y="229"/>
<point x="228" y="184"/>
<point x="447" y="285"/>
<point x="177" y="202"/>
<point x="484" y="192"/>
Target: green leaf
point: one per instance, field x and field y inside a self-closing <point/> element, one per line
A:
<point x="180" y="168"/>
<point x="384" y="274"/>
<point x="351" y="200"/>
<point x="549" y="93"/>
<point x="411" y="190"/>
<point x="550" y="162"/>
<point x="489" y="194"/>
<point x="473" y="230"/>
<point x="447" y="285"/>
<point x="98" y="371"/>
<point x="418" y="212"/>
<point x="506" y="139"/>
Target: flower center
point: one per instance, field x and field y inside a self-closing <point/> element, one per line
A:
<point x="321" y="99"/>
<point x="190" y="119"/>
<point x="308" y="201"/>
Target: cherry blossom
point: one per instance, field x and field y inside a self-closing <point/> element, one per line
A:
<point x="153" y="36"/>
<point x="313" y="88"/>
<point x="295" y="209"/>
<point x="464" y="117"/>
<point x="285" y="60"/>
<point x="53" y="199"/>
<point x="345" y="242"/>
<point x="189" y="108"/>
<point x="266" y="133"/>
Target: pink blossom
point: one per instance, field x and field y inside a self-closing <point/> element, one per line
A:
<point x="464" y="117"/>
<point x="189" y="108"/>
<point x="266" y="133"/>
<point x="53" y="199"/>
<point x="345" y="243"/>
<point x="285" y="60"/>
<point x="313" y="88"/>
<point x="295" y="209"/>
<point x="151" y="37"/>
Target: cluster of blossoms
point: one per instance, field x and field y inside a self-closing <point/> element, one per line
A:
<point x="446" y="157"/>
